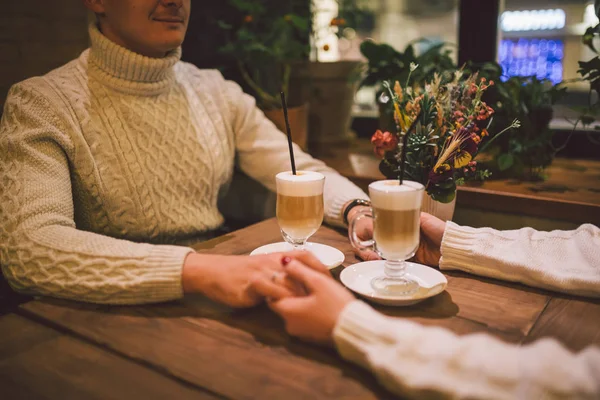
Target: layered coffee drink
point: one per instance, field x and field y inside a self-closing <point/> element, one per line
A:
<point x="396" y="214"/>
<point x="299" y="204"/>
<point x="395" y="209"/>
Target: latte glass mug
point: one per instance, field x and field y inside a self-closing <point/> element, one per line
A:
<point x="395" y="210"/>
<point x="299" y="205"/>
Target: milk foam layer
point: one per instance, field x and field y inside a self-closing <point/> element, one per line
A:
<point x="303" y="184"/>
<point x="390" y="195"/>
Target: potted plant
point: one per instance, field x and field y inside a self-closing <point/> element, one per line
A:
<point x="524" y="152"/>
<point x="590" y="72"/>
<point x="266" y="42"/>
<point x="442" y="127"/>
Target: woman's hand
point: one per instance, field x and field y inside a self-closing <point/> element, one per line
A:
<point x="432" y="233"/>
<point x="311" y="317"/>
<point x="226" y="279"/>
<point x="364" y="231"/>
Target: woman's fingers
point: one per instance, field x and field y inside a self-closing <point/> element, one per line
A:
<point x="272" y="287"/>
<point x="310" y="260"/>
<point x="301" y="273"/>
<point x="366" y="255"/>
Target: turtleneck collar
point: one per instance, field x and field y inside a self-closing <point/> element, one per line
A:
<point x="129" y="72"/>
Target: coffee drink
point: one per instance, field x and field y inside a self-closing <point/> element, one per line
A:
<point x="396" y="232"/>
<point x="396" y="214"/>
<point x="395" y="209"/>
<point x="299" y="204"/>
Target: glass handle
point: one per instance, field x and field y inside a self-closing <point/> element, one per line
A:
<point x="361" y="245"/>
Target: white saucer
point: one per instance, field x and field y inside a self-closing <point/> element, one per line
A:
<point x="358" y="277"/>
<point x="330" y="256"/>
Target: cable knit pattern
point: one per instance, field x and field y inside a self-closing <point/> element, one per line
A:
<point x="116" y="148"/>
<point x="564" y="261"/>
<point x="416" y="361"/>
<point x="427" y="362"/>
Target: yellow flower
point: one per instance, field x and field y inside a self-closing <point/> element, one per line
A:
<point x="398" y="116"/>
<point x="441" y="168"/>
<point x="462" y="158"/>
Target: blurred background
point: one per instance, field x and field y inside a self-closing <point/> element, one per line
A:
<point x="526" y="37"/>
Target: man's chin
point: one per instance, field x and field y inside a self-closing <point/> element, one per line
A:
<point x="171" y="45"/>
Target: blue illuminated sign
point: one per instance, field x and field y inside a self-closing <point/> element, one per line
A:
<point x="542" y="58"/>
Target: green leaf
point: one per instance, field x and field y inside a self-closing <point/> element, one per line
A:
<point x="505" y="161"/>
<point x="588" y="38"/>
<point x="557" y="94"/>
<point x="224" y="25"/>
<point x="443" y="196"/>
<point x="587" y="120"/>
<point x="300" y="23"/>
<point x="249" y="6"/>
<point x="387" y="169"/>
<point x="378" y="54"/>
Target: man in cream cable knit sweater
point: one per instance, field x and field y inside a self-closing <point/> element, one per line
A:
<point x="418" y="361"/>
<point x="126" y="146"/>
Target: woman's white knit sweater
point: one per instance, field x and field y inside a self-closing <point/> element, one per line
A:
<point x="116" y="148"/>
<point x="423" y="362"/>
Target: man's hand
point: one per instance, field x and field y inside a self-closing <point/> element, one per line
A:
<point x="227" y="279"/>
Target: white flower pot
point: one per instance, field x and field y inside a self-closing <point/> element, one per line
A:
<point x="444" y="211"/>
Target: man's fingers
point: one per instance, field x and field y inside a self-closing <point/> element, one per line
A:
<point x="269" y="287"/>
<point x="289" y="306"/>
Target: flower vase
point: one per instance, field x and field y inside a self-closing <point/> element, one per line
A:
<point x="443" y="211"/>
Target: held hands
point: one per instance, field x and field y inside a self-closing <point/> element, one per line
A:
<point x="314" y="315"/>
<point x="302" y="291"/>
<point x="227" y="279"/>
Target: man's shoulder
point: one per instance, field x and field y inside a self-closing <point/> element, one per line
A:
<point x="51" y="82"/>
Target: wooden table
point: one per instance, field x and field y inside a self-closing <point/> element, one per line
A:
<point x="198" y="349"/>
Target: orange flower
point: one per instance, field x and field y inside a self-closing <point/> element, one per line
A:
<point x="338" y="22"/>
<point x="384" y="141"/>
<point x="484" y="133"/>
<point x="398" y="91"/>
<point x="248" y="19"/>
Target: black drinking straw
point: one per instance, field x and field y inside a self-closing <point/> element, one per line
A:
<point x="404" y="145"/>
<point x="289" y="132"/>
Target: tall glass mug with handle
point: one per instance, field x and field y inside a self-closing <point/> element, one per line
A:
<point x="395" y="210"/>
<point x="299" y="205"/>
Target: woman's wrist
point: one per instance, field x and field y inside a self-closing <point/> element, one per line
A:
<point x="351" y="209"/>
